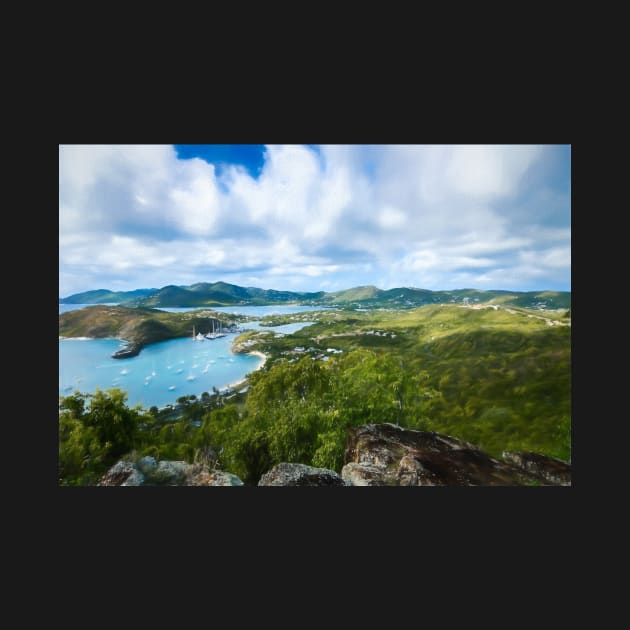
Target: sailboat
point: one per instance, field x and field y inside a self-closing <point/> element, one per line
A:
<point x="198" y="336"/>
<point x="216" y="334"/>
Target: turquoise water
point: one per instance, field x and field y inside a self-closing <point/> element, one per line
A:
<point x="254" y="311"/>
<point x="191" y="367"/>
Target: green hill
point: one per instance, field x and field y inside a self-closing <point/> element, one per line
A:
<point x="225" y="294"/>
<point x="139" y="326"/>
<point x="101" y="296"/>
<point x="496" y="378"/>
<point x="356" y="294"/>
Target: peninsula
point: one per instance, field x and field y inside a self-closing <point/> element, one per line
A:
<point x="141" y="326"/>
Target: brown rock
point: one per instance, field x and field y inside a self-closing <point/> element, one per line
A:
<point x="553" y="470"/>
<point x="386" y="454"/>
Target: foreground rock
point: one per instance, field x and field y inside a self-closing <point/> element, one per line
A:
<point x="286" y="474"/>
<point x="387" y="455"/>
<point x="555" y="471"/>
<point x="376" y="455"/>
<point x="148" y="472"/>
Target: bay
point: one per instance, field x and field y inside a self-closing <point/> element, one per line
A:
<point x="254" y="311"/>
<point x="190" y="367"/>
<point x="64" y="308"/>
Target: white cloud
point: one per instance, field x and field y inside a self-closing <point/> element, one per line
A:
<point x="390" y="218"/>
<point x="554" y="258"/>
<point x="487" y="171"/>
<point x="429" y="216"/>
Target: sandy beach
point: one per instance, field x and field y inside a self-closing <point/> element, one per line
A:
<point x="264" y="358"/>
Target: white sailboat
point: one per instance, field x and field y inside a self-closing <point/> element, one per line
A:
<point x="215" y="334"/>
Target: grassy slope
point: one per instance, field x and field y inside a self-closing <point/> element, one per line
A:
<point x="138" y="325"/>
<point x="496" y="378"/>
<point x="100" y="296"/>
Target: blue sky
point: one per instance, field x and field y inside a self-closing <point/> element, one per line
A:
<point x="310" y="218"/>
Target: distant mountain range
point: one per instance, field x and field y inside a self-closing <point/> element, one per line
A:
<point x="224" y="294"/>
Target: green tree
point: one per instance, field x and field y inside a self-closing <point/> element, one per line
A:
<point x="93" y="437"/>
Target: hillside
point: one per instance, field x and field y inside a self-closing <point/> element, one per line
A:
<point x="139" y="326"/>
<point x="493" y="376"/>
<point x="497" y="377"/>
<point x="224" y="294"/>
<point x="101" y="296"/>
<point x="409" y="297"/>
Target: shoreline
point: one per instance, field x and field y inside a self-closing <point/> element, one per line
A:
<point x="62" y="338"/>
<point x="257" y="353"/>
<point x="236" y="384"/>
<point x="232" y="385"/>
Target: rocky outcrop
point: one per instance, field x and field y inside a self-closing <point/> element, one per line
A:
<point x="286" y="474"/>
<point x="214" y="478"/>
<point x="122" y="474"/>
<point x="553" y="470"/>
<point x="362" y="475"/>
<point x="387" y="455"/>
<point x="376" y="455"/>
<point x="148" y="472"/>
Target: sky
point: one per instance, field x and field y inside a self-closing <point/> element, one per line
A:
<point x="315" y="217"/>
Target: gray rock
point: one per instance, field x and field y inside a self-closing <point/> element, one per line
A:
<point x="148" y="472"/>
<point x="136" y="478"/>
<point x="287" y="474"/>
<point x="147" y="465"/>
<point x="117" y="474"/>
<point x="169" y="473"/>
<point x="213" y="478"/>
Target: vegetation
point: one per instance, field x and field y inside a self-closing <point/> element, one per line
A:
<point x="140" y="326"/>
<point x="101" y="296"/>
<point x="96" y="430"/>
<point x="199" y="294"/>
<point x="224" y="294"/>
<point x="499" y="378"/>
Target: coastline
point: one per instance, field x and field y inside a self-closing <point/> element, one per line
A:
<point x="257" y="353"/>
<point x="62" y="338"/>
